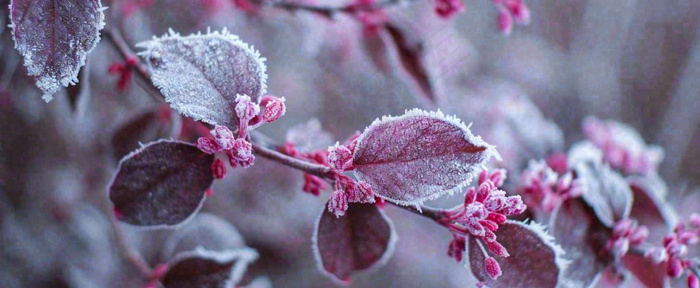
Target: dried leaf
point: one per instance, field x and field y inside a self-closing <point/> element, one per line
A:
<point x="55" y="37"/>
<point x="161" y="184"/>
<point x="418" y="156"/>
<point x="583" y="237"/>
<point x="207" y="269"/>
<point x="535" y="260"/>
<point x="200" y="75"/>
<point x="362" y="239"/>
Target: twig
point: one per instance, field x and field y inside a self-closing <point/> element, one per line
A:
<point x="128" y="252"/>
<point x="315" y="169"/>
<point x="115" y="37"/>
<point x="328" y="11"/>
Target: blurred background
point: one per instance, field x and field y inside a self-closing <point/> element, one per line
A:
<point x="635" y="61"/>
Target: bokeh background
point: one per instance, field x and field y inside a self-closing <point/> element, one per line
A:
<point x="636" y="61"/>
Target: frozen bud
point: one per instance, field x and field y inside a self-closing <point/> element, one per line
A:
<point x="488" y="224"/>
<point x="456" y="248"/>
<point x="208" y="145"/>
<point x="365" y="194"/>
<point x="448" y="8"/>
<point x="693" y="281"/>
<point x="676" y="249"/>
<point x="223" y="136"/>
<point x="497" y="217"/>
<point x="313" y="184"/>
<point x="492" y="268"/>
<point x="245" y="108"/>
<point x="273" y="109"/>
<point x="484" y="189"/>
<point x="338" y="157"/>
<point x="218" y="168"/>
<point x="495" y="203"/>
<point x="639" y="235"/>
<point x="498" y="177"/>
<point x="476" y="211"/>
<point x="338" y="203"/>
<point x="505" y="21"/>
<point x="695" y="220"/>
<point x="498" y="249"/>
<point x="470" y="196"/>
<point x="674" y="268"/>
<point x="520" y="12"/>
<point x="656" y="254"/>
<point x="621" y="247"/>
<point x="622" y="227"/>
<point x="514" y="205"/>
<point x="489" y="236"/>
<point x="241" y="153"/>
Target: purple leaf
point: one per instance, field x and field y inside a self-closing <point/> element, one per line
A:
<point x="207" y="269"/>
<point x="649" y="207"/>
<point x="535" y="260"/>
<point x="161" y="184"/>
<point x="646" y="271"/>
<point x="205" y="230"/>
<point x="362" y="239"/>
<point x="143" y="127"/>
<point x="55" y="37"/>
<point x="418" y="156"/>
<point x="605" y="190"/>
<point x="200" y="75"/>
<point x="583" y="237"/>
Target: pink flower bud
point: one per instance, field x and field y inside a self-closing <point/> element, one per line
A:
<point x="505" y="21"/>
<point x="456" y="248"/>
<point x="208" y="145"/>
<point x="338" y="203"/>
<point x="498" y="177"/>
<point x="657" y="255"/>
<point x="674" y="268"/>
<point x="497" y="217"/>
<point x="695" y="220"/>
<point x="223" y="136"/>
<point x="492" y="268"/>
<point x="273" y="109"/>
<point x="639" y="235"/>
<point x="488" y="224"/>
<point x="339" y="157"/>
<point x="448" y="8"/>
<point x="498" y="249"/>
<point x="245" y="108"/>
<point x="470" y="196"/>
<point x="520" y="12"/>
<point x="218" y="168"/>
<point x="693" y="281"/>
<point x="313" y="184"/>
<point x="622" y="227"/>
<point x="364" y="192"/>
<point x="489" y="236"/>
<point x="241" y="153"/>
<point x="621" y="247"/>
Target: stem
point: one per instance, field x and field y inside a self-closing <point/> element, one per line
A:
<point x="115" y="37"/>
<point x="315" y="169"/>
<point x="328" y="11"/>
<point x="128" y="252"/>
<point x="425" y="211"/>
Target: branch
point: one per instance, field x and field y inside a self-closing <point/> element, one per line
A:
<point x="328" y="11"/>
<point x="315" y="169"/>
<point x="117" y="40"/>
<point x="128" y="252"/>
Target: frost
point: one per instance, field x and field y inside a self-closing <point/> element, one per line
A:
<point x="363" y="239"/>
<point x="200" y="75"/>
<point x="161" y="184"/>
<point x="55" y="37"/>
<point x="532" y="252"/>
<point x="418" y="156"/>
<point x="204" y="268"/>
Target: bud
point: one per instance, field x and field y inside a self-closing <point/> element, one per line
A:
<point x="245" y="108"/>
<point x="338" y="203"/>
<point x="273" y="109"/>
<point x="657" y="255"/>
<point x="338" y="157"/>
<point x="498" y="249"/>
<point x="313" y="184"/>
<point x="505" y="21"/>
<point x="674" y="268"/>
<point x="520" y="12"/>
<point x="492" y="268"/>
<point x="241" y="153"/>
<point x="223" y="136"/>
<point x="218" y="168"/>
<point x="208" y="145"/>
<point x="693" y="281"/>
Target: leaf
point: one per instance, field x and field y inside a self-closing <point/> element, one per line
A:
<point x="362" y="239"/>
<point x="200" y="75"/>
<point x="535" y="260"/>
<point x="583" y="237"/>
<point x="207" y="269"/>
<point x="205" y="230"/>
<point x="55" y="37"/>
<point x="649" y="207"/>
<point x="605" y="190"/>
<point x="418" y="156"/>
<point x="646" y="271"/>
<point x="161" y="184"/>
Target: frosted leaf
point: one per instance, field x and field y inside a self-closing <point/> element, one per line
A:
<point x="583" y="237"/>
<point x="532" y="252"/>
<point x="208" y="269"/>
<point x="161" y="184"/>
<point x="418" y="156"/>
<point x="605" y="191"/>
<point x="362" y="239"/>
<point x="55" y="37"/>
<point x="200" y="75"/>
<point x="205" y="230"/>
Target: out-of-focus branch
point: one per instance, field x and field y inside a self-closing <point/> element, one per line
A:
<point x="117" y="40"/>
<point x="329" y="11"/>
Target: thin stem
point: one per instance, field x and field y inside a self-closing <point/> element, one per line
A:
<point x="128" y="252"/>
<point x="328" y="11"/>
<point x="433" y="213"/>
<point x="115" y="37"/>
<point x="315" y="169"/>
